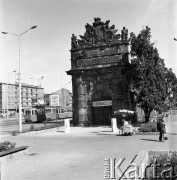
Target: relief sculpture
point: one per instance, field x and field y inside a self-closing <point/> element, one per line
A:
<point x="98" y="33"/>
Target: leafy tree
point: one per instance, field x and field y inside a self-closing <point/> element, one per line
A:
<point x="171" y="84"/>
<point x="147" y="74"/>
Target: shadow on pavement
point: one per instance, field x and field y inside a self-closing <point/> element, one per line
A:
<point x="94" y="132"/>
<point x="150" y="140"/>
<point x="172" y="133"/>
<point x="104" y="134"/>
<point x="95" y="126"/>
<point x="61" y="131"/>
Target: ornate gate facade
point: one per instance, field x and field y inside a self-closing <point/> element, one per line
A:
<point x="97" y="60"/>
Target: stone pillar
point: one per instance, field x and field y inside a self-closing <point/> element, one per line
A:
<point x="75" y="101"/>
<point x="114" y="124"/>
<point x="67" y="125"/>
<point x="82" y="103"/>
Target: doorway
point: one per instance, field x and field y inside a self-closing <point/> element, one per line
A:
<point x="102" y="115"/>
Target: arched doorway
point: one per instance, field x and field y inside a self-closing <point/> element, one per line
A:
<point x="101" y="108"/>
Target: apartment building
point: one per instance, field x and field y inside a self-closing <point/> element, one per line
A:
<point x="9" y="96"/>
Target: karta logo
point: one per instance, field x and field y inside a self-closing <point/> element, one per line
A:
<point x="113" y="170"/>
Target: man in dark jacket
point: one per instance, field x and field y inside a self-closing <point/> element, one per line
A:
<point x="161" y="129"/>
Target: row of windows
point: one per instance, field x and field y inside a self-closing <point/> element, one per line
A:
<point x="34" y="112"/>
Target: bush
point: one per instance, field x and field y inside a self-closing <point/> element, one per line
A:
<point x="14" y="133"/>
<point x="148" y="127"/>
<point x="6" y="145"/>
<point x="32" y="127"/>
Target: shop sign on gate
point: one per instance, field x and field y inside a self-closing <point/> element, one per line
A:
<point x="101" y="103"/>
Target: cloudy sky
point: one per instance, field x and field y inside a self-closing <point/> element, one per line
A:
<point x="45" y="50"/>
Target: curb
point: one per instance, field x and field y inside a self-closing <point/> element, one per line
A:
<point x="38" y="132"/>
<point x="146" y="133"/>
<point x="14" y="153"/>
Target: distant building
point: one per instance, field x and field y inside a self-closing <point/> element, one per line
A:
<point x="46" y="99"/>
<point x="51" y="100"/>
<point x="65" y="97"/>
<point x="9" y="96"/>
<point x="61" y="98"/>
<point x="54" y="100"/>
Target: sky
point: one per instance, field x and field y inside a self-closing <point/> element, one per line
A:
<point x="45" y="51"/>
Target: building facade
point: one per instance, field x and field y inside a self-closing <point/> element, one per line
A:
<point x="62" y="97"/>
<point x="9" y="96"/>
<point x="65" y="97"/>
<point x="97" y="63"/>
<point x="51" y="100"/>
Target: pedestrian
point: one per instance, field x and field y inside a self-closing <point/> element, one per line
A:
<point x="162" y="130"/>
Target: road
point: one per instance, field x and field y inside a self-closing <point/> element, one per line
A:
<point x="7" y="126"/>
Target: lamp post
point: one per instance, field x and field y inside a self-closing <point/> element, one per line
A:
<point x="64" y="94"/>
<point x="20" y="105"/>
<point x="41" y="78"/>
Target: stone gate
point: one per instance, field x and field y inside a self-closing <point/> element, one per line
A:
<point x="97" y="60"/>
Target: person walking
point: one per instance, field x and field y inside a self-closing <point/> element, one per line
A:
<point x="161" y="129"/>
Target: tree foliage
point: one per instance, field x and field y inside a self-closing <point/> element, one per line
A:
<point x="148" y="76"/>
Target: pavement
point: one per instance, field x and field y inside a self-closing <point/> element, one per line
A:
<point x="80" y="154"/>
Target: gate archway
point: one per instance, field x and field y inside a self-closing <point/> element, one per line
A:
<point x="101" y="108"/>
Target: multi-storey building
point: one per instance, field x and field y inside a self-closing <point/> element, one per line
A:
<point x="62" y="97"/>
<point x="51" y="100"/>
<point x="9" y="96"/>
<point x="65" y="97"/>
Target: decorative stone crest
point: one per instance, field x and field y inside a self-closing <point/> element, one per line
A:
<point x="99" y="33"/>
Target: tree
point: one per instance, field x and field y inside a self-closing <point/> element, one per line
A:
<point x="147" y="75"/>
<point x="171" y="83"/>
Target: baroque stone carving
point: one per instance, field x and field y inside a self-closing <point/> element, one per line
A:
<point x="80" y="54"/>
<point x="90" y="86"/>
<point x="99" y="33"/>
<point x="124" y="34"/>
<point x="100" y="60"/>
<point x="73" y="41"/>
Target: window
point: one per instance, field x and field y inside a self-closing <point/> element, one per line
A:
<point x="34" y="112"/>
<point x="63" y="111"/>
<point x="27" y="112"/>
<point x="48" y="110"/>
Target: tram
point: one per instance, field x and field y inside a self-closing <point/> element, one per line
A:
<point x="43" y="113"/>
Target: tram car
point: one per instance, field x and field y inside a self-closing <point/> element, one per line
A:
<point x="50" y="113"/>
<point x="61" y="113"/>
<point x="35" y="114"/>
<point x="43" y="113"/>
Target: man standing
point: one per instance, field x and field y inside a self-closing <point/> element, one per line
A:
<point x="161" y="129"/>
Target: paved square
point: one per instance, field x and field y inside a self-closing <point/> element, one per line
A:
<point x="79" y="155"/>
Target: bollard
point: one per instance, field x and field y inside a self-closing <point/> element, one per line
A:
<point x="114" y="124"/>
<point x="67" y="125"/>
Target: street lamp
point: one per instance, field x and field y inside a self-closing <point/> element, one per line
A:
<point x="39" y="81"/>
<point x="64" y="94"/>
<point x="20" y="105"/>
